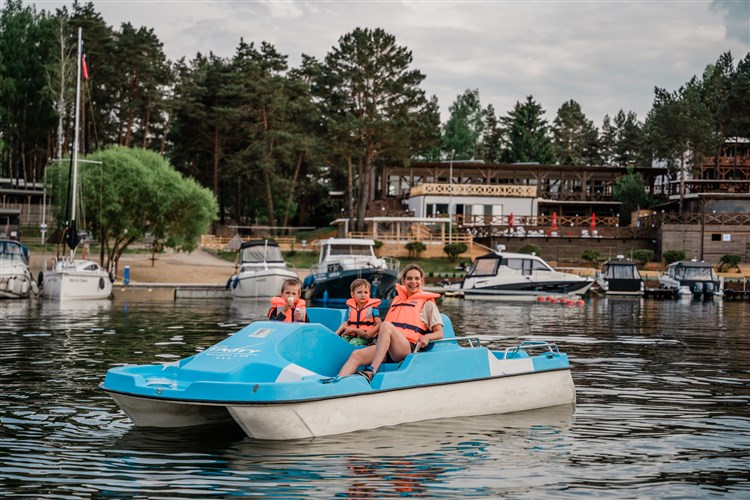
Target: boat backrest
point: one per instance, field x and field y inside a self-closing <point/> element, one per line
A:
<point x="330" y="318"/>
<point x="448" y="331"/>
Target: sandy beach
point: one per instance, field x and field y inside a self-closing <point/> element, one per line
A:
<point x="198" y="267"/>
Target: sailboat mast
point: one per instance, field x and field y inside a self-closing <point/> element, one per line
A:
<point x="74" y="197"/>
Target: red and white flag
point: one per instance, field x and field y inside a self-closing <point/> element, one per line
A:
<point x="84" y="68"/>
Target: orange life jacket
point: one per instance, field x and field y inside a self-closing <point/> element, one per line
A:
<point x="405" y="313"/>
<point x="279" y="303"/>
<point x="362" y="317"/>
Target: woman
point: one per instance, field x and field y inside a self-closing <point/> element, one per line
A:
<point x="411" y="323"/>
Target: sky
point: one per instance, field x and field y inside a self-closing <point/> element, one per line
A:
<point x="605" y="55"/>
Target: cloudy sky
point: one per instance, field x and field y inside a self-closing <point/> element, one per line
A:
<point x="606" y="55"/>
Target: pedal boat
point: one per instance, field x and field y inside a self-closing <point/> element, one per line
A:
<point x="278" y="381"/>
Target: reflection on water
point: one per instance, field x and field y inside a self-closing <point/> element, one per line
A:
<point x="662" y="410"/>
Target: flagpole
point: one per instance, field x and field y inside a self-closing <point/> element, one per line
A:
<point x="74" y="197"/>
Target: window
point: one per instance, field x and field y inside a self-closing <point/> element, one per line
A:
<point x="484" y="267"/>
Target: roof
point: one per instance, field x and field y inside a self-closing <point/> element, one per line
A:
<point x="347" y="241"/>
<point x="257" y="243"/>
<point x="690" y="263"/>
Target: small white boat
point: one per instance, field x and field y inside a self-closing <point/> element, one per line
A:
<point x="278" y="381"/>
<point x="341" y="261"/>
<point x="16" y="281"/>
<point x="690" y="278"/>
<point x="262" y="271"/>
<point x="620" y="277"/>
<point x="71" y="278"/>
<point x="75" y="279"/>
<point x="517" y="276"/>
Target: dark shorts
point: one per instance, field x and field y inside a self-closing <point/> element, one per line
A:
<point x="388" y="358"/>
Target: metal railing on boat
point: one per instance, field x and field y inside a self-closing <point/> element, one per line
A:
<point x="531" y="344"/>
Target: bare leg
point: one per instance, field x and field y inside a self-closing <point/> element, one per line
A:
<point x="356" y="359"/>
<point x="390" y="340"/>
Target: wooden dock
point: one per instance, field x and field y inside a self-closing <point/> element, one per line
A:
<point x="660" y="293"/>
<point x="171" y="291"/>
<point x="730" y="294"/>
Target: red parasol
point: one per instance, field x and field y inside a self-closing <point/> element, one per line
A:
<point x="510" y="220"/>
<point x="554" y="221"/>
<point x="593" y="221"/>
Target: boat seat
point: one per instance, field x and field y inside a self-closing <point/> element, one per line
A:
<point x="330" y="318"/>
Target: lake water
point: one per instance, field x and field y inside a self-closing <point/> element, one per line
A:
<point x="662" y="410"/>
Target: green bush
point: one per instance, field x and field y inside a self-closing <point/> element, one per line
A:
<point x="455" y="249"/>
<point x="642" y="256"/>
<point x="670" y="256"/>
<point x="530" y="249"/>
<point x="415" y="248"/>
<point x="591" y="256"/>
<point x="729" y="261"/>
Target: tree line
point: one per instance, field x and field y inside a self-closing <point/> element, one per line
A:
<point x="271" y="141"/>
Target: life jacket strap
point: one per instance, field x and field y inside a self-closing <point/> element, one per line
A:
<point x="360" y="323"/>
<point x="415" y="328"/>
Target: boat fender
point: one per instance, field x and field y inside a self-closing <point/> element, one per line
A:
<point x="34" y="288"/>
<point x="236" y="281"/>
<point x="101" y="282"/>
<point x="229" y="283"/>
<point x="111" y="277"/>
<point x="40" y="278"/>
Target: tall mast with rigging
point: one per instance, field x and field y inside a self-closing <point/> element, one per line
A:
<point x="74" y="196"/>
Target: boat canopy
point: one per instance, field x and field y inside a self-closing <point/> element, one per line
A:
<point x="689" y="270"/>
<point x="13" y="250"/>
<point x="619" y="270"/>
<point x="259" y="251"/>
<point x="346" y="247"/>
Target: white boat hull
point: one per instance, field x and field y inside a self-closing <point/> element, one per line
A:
<point x="17" y="285"/>
<point x="145" y="412"/>
<point x="70" y="283"/>
<point x="521" y="295"/>
<point x="324" y="417"/>
<point x="265" y="283"/>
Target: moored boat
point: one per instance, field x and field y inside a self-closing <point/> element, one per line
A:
<point x="341" y="261"/>
<point x="16" y="281"/>
<point x="262" y="270"/>
<point x="691" y="278"/>
<point x="71" y="277"/>
<point x="620" y="277"/>
<point x="278" y="381"/>
<point x="516" y="276"/>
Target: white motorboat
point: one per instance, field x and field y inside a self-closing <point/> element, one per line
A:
<point x="278" y="380"/>
<point x="16" y="281"/>
<point x="690" y="278"/>
<point x="519" y="276"/>
<point x="620" y="277"/>
<point x="262" y="271"/>
<point x="341" y="261"/>
<point x="71" y="278"/>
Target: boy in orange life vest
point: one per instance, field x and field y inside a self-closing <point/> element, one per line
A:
<point x="412" y="321"/>
<point x="289" y="307"/>
<point x="363" y="320"/>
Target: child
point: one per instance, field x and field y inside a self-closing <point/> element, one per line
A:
<point x="412" y="322"/>
<point x="363" y="320"/>
<point x="289" y="307"/>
